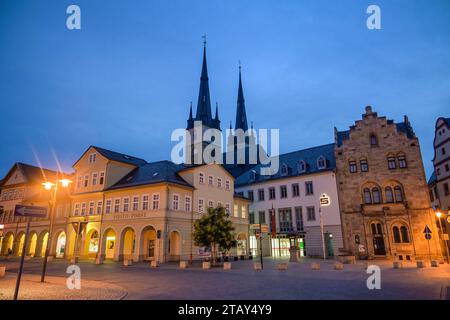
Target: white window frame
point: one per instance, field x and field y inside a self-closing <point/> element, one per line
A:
<point x="210" y="204"/>
<point x="319" y="159"/>
<point x="108" y="205"/>
<point x="210" y="180"/>
<point x="91" y="209"/>
<point x="201" y="207"/>
<point x="201" y="178"/>
<point x="94" y="178"/>
<point x="133" y="203"/>
<point x="100" y="176"/>
<point x="227" y="185"/>
<point x="83" y="209"/>
<point x="125" y="204"/>
<point x="219" y="183"/>
<point x="155" y="201"/>
<point x="187" y="203"/>
<point x="145" y="204"/>
<point x="236" y="210"/>
<point x="116" y="205"/>
<point x="99" y="207"/>
<point x="76" y="209"/>
<point x="176" y="203"/>
<point x="86" y="181"/>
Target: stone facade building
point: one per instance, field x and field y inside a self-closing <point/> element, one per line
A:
<point x="382" y="189"/>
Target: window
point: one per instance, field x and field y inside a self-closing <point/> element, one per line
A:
<point x="227" y="185"/>
<point x="108" y="206"/>
<point x="283" y="192"/>
<point x="431" y="195"/>
<point x="271" y="193"/>
<point x="364" y="165"/>
<point x="126" y="204"/>
<point x="396" y="232"/>
<point x="321" y="163"/>
<point x="91" y="207"/>
<point x="352" y="167"/>
<point x="187" y="203"/>
<point x="201" y="178"/>
<point x="398" y="194"/>
<point x="443" y="151"/>
<point x="376" y="229"/>
<point x="219" y="182"/>
<point x="251" y="217"/>
<point x="391" y="163"/>
<point x="446" y="167"/>
<point x="210" y="181"/>
<point x="201" y="205"/>
<point x="285" y="218"/>
<point x="92" y="157"/>
<point x="373" y="140"/>
<point x="405" y="234"/>
<point x="367" y="196"/>
<point x="250" y="195"/>
<point x="76" y="210"/>
<point x="210" y="204"/>
<point x="295" y="190"/>
<point x="262" y="217"/>
<point x="402" y="162"/>
<point x="83" y="208"/>
<point x="302" y="166"/>
<point x="389" y="195"/>
<point x="438" y="171"/>
<point x="252" y="175"/>
<point x="299" y="218"/>
<point x="219" y="204"/>
<point x="155" y="202"/>
<point x="175" y="201"/>
<point x="261" y="195"/>
<point x="102" y="177"/>
<point x="244" y="212"/>
<point x="94" y="178"/>
<point x="135" y="203"/>
<point x="309" y="188"/>
<point x="227" y="209"/>
<point x="284" y="170"/>
<point x="311" y="213"/>
<point x="376" y="195"/>
<point x="99" y="207"/>
<point x="236" y="210"/>
<point x="145" y="199"/>
<point x="79" y="182"/>
<point x="446" y="191"/>
<point x="86" y="180"/>
<point x="116" y="205"/>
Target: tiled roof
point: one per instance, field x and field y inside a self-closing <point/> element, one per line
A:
<point x="292" y="161"/>
<point x="151" y="173"/>
<point x="120" y="157"/>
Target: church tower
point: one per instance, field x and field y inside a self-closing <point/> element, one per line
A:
<point x="203" y="117"/>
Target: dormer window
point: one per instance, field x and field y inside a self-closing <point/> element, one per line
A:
<point x="302" y="166"/>
<point x="321" y="163"/>
<point x="252" y="175"/>
<point x="92" y="157"/>
<point x="284" y="170"/>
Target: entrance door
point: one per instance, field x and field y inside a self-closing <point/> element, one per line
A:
<point x="378" y="239"/>
<point x="329" y="244"/>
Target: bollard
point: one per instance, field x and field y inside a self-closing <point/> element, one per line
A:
<point x="315" y="266"/>
<point x="257" y="266"/>
<point x="397" y="264"/>
<point x="74" y="260"/>
<point x="434" y="263"/>
<point x="127" y="262"/>
<point x="206" y="265"/>
<point x="282" y="266"/>
<point x="227" y="266"/>
<point x="183" y="264"/>
<point x="338" y="266"/>
<point x="99" y="260"/>
<point x="154" y="264"/>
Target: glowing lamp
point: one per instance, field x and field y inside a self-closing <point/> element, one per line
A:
<point x="48" y="185"/>
<point x="65" y="182"/>
<point x="439" y="214"/>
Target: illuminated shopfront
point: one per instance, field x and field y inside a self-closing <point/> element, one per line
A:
<point x="282" y="243"/>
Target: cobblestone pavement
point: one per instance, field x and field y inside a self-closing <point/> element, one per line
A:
<point x="55" y="288"/>
<point x="242" y="282"/>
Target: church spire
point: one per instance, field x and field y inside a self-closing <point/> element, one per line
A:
<point x="241" y="116"/>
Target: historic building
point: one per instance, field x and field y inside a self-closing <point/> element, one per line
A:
<point x="439" y="183"/>
<point x="382" y="190"/>
<point x="288" y="202"/>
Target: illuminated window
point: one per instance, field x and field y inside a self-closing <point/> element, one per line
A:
<point x="244" y="212"/>
<point x="236" y="210"/>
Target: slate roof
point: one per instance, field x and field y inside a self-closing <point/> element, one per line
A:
<point x="120" y="157"/>
<point x="152" y="173"/>
<point x="432" y="179"/>
<point x="33" y="174"/>
<point x="292" y="161"/>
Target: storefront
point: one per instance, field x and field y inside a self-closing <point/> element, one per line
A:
<point x="283" y="242"/>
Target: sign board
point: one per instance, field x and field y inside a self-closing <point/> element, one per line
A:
<point x="204" y="252"/>
<point x="264" y="228"/>
<point x="427" y="232"/>
<point x="30" y="211"/>
<point x="254" y="226"/>
<point x="324" y="200"/>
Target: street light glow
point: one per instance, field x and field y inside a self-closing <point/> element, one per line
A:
<point x="438" y="214"/>
<point x="2" y="226"/>
<point x="48" y="185"/>
<point x="65" y="182"/>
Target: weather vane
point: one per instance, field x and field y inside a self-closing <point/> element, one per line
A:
<point x="204" y="40"/>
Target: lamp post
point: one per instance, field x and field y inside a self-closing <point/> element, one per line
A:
<point x="439" y="215"/>
<point x="49" y="186"/>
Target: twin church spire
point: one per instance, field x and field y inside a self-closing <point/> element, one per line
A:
<point x="203" y="112"/>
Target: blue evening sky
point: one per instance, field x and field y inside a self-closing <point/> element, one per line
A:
<point x="124" y="81"/>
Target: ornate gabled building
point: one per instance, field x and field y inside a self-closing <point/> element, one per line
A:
<point x="382" y="190"/>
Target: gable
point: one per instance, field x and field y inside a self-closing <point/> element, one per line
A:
<point x="15" y="177"/>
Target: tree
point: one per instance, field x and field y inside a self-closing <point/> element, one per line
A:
<point x="214" y="230"/>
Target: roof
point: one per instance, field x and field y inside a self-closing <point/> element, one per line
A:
<point x="116" y="156"/>
<point x="152" y="173"/>
<point x="292" y="161"/>
<point x="432" y="179"/>
<point x="32" y="173"/>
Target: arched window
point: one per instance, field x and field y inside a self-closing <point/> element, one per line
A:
<point x="405" y="234"/>
<point x="373" y="140"/>
<point x="398" y="194"/>
<point x="302" y="166"/>
<point x="367" y="196"/>
<point x="376" y="195"/>
<point x="379" y="228"/>
<point x="321" y="163"/>
<point x="376" y="229"/>
<point x="396" y="232"/>
<point x="284" y="170"/>
<point x="389" y="195"/>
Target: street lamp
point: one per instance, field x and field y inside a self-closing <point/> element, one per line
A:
<point x="439" y="215"/>
<point x="52" y="204"/>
